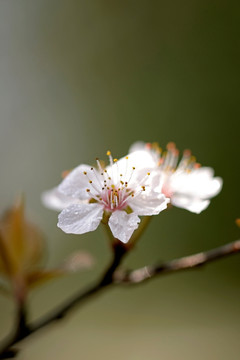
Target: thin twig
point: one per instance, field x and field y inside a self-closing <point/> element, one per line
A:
<point x="23" y="331"/>
<point x="185" y="263"/>
<point x="110" y="278"/>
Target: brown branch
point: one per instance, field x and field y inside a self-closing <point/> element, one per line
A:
<point x="24" y="330"/>
<point x="111" y="278"/>
<point x="185" y="263"/>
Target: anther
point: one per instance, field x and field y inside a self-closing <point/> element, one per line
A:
<point x="171" y="145"/>
<point x="90" y="181"/>
<point x="87" y="190"/>
<point x="85" y="173"/>
<point x="115" y="160"/>
<point x="108" y="153"/>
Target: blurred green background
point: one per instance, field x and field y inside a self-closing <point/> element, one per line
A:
<point x="81" y="77"/>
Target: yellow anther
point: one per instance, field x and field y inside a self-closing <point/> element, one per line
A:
<point x="105" y="170"/>
<point x="109" y="178"/>
<point x="121" y="182"/>
<point x="133" y="168"/>
<point x="85" y="173"/>
<point x="121" y="174"/>
<point x="113" y="186"/>
<point x="148" y="173"/>
<point x="126" y="157"/>
<point x="132" y="195"/>
<point x="108" y="153"/>
<point x="115" y="160"/>
<point x="143" y="187"/>
<point x="90" y="181"/>
<point x="87" y="190"/>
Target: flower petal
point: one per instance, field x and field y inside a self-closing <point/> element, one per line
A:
<point x="138" y="145"/>
<point x="199" y="183"/>
<point x="76" y="183"/>
<point x="194" y="205"/>
<point x="141" y="161"/>
<point x="55" y="200"/>
<point x="148" y="205"/>
<point x="80" y="218"/>
<point x="123" y="225"/>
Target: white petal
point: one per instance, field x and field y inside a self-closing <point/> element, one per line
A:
<point x="80" y="218"/>
<point x="142" y="146"/>
<point x="76" y="183"/>
<point x="148" y="205"/>
<point x="140" y="160"/>
<point x="138" y="145"/>
<point x="55" y="200"/>
<point x="123" y="225"/>
<point x="194" y="205"/>
<point x="199" y="183"/>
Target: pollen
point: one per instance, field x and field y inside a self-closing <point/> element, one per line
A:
<point x="171" y="145"/>
<point x="65" y="173"/>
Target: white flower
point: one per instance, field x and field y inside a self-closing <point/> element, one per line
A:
<point x="185" y="182"/>
<point x="55" y="200"/>
<point x="121" y="192"/>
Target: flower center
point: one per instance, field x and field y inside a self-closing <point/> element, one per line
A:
<point x="112" y="188"/>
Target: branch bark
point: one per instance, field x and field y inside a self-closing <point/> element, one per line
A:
<point x="185" y="263"/>
<point x="112" y="278"/>
<point x="23" y="330"/>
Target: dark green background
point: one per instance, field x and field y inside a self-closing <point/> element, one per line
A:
<point x="81" y="77"/>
